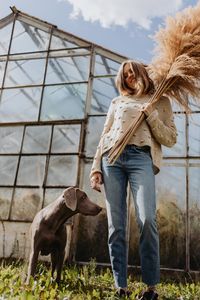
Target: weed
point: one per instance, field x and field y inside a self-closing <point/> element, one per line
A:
<point x="80" y="283"/>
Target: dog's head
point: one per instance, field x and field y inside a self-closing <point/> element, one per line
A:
<point x="77" y="200"/>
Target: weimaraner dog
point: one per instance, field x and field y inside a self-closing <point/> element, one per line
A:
<point x="48" y="230"/>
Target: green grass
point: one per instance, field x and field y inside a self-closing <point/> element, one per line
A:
<point x="79" y="283"/>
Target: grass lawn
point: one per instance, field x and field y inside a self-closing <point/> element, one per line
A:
<point x="79" y="283"/>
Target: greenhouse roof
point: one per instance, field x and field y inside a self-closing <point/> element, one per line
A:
<point x="75" y="41"/>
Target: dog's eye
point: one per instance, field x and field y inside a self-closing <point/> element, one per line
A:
<point x="83" y="197"/>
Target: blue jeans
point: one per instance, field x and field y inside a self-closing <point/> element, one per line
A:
<point x="134" y="165"/>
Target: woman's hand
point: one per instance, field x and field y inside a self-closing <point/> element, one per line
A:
<point x="147" y="109"/>
<point x="95" y="181"/>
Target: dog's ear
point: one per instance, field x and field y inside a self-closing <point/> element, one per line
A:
<point x="70" y="198"/>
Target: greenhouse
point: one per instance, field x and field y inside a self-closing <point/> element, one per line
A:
<point x="55" y="90"/>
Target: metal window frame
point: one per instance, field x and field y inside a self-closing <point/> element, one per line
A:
<point x="91" y="50"/>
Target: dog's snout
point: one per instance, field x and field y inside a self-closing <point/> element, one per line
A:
<point x="87" y="207"/>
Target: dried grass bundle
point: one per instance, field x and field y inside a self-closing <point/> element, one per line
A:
<point x="175" y="69"/>
<point x="177" y="56"/>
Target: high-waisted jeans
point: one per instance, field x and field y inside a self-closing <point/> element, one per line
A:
<point x="134" y="165"/>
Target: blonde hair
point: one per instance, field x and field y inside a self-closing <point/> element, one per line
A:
<point x="144" y="85"/>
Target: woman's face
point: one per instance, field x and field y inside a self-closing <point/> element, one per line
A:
<point x="129" y="76"/>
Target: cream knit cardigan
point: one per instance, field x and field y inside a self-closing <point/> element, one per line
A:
<point x="158" y="128"/>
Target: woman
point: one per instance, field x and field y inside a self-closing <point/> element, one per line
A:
<point x="137" y="164"/>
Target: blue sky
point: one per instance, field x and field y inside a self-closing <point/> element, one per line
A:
<point x="124" y="26"/>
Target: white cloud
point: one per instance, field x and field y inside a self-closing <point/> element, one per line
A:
<point x="122" y="12"/>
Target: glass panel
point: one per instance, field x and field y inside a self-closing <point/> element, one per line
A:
<point x="60" y="43"/>
<point x="37" y="139"/>
<point x="194" y="105"/>
<point x="31" y="170"/>
<point x="10" y="139"/>
<point x="103" y="91"/>
<point x="179" y="149"/>
<point x="2" y="68"/>
<point x="94" y="131"/>
<point x="8" y="165"/>
<point x="176" y="106"/>
<point x="25" y="72"/>
<point x="62" y="170"/>
<point x="67" y="69"/>
<point x="5" y="34"/>
<point x="194" y="135"/>
<point x="105" y="66"/>
<point x="51" y="195"/>
<point x="171" y="214"/>
<point x="92" y="231"/>
<point x="66" y="138"/>
<point x="5" y="200"/>
<point x="27" y="38"/>
<point x="62" y="102"/>
<point x="20" y="104"/>
<point x="194" y="212"/>
<point x="16" y="242"/>
<point x="26" y="203"/>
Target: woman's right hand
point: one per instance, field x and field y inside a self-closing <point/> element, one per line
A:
<point x="96" y="180"/>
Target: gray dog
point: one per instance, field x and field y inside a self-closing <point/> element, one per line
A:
<point x="48" y="230"/>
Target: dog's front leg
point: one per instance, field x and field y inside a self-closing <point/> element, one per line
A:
<point x="32" y="264"/>
<point x="59" y="266"/>
<point x="54" y="261"/>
